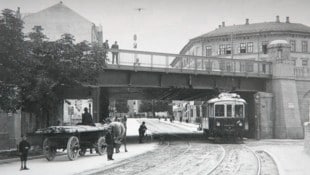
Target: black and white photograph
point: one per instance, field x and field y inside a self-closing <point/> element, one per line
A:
<point x="154" y="87"/>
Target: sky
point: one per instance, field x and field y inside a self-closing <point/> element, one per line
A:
<point x="167" y="25"/>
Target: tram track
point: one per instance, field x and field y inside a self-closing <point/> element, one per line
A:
<point x="138" y="164"/>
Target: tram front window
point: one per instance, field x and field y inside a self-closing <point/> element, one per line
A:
<point x="219" y="110"/>
<point x="229" y="110"/>
<point x="239" y="111"/>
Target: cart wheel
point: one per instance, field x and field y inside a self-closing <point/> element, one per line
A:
<point x="82" y="152"/>
<point x="48" y="151"/>
<point x="73" y="148"/>
<point x="101" y="146"/>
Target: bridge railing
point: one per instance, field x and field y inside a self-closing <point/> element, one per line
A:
<point x="189" y="63"/>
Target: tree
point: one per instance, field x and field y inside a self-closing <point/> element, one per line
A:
<point x="12" y="59"/>
<point x="37" y="69"/>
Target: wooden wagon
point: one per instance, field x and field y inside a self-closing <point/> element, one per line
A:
<point x="75" y="139"/>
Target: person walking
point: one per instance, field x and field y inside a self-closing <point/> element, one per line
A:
<point x="23" y="148"/>
<point x="87" y="118"/>
<point x="115" y="53"/>
<point x="142" y="130"/>
<point x="109" y="138"/>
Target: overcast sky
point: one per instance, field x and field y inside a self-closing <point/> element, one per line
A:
<point x="167" y="25"/>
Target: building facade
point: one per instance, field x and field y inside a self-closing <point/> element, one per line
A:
<point x="281" y="110"/>
<point x="249" y="41"/>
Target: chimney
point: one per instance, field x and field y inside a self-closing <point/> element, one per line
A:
<point x="223" y="24"/>
<point x="277" y="18"/>
<point x="247" y="21"/>
<point x="287" y="19"/>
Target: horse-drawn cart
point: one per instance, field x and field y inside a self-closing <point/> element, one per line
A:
<point x="75" y="139"/>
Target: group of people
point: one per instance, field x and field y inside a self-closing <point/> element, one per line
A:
<point x="114" y="52"/>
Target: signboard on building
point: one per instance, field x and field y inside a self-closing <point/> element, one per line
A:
<point x="74" y="108"/>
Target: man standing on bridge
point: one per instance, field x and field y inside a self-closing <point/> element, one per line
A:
<point x="115" y="53"/>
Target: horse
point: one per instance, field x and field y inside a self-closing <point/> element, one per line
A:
<point x="119" y="132"/>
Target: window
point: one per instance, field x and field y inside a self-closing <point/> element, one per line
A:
<point x="208" y="50"/>
<point x="242" y="48"/>
<point x="238" y="111"/>
<point x="304" y="62"/>
<point x="264" y="68"/>
<point x="304" y="46"/>
<point x="250" y="47"/>
<point x="229" y="110"/>
<point x="249" y="67"/>
<point x="222" y="49"/>
<point x="228" y="49"/>
<point x="264" y="47"/>
<point x="219" y="110"/>
<point x="293" y="45"/>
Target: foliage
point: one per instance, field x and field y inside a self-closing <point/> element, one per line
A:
<point x="39" y="68"/>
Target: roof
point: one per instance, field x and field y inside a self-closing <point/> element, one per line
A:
<point x="256" y="28"/>
<point x="55" y="9"/>
<point x="227" y="97"/>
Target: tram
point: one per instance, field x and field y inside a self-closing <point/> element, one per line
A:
<point x="224" y="116"/>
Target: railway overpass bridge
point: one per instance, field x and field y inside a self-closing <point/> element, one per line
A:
<point x="276" y="90"/>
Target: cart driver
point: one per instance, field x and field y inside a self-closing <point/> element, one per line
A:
<point x="87" y="118"/>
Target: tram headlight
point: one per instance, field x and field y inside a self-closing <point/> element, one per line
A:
<point x="239" y="123"/>
<point x="218" y="124"/>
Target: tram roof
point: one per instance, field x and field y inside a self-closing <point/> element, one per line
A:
<point x="227" y="97"/>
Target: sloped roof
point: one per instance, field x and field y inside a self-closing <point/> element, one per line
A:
<point x="58" y="8"/>
<point x="57" y="20"/>
<point x="257" y="27"/>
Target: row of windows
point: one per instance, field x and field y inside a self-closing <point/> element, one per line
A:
<point x="304" y="46"/>
<point x="226" y="49"/>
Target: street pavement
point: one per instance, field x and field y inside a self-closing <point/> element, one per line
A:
<point x="288" y="154"/>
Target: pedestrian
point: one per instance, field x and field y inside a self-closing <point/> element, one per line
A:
<point x="142" y="130"/>
<point x="87" y="118"/>
<point x="23" y="149"/>
<point x="106" y="47"/>
<point x="115" y="53"/>
<point x="109" y="138"/>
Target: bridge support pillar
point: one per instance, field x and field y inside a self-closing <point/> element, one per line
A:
<point x="287" y="123"/>
<point x="103" y="104"/>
